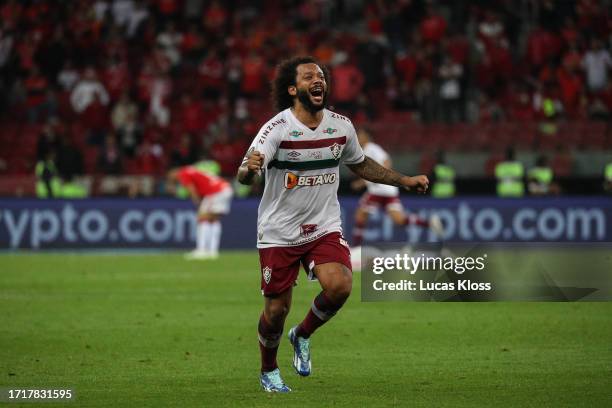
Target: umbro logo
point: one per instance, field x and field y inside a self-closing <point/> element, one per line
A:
<point x="293" y="154"/>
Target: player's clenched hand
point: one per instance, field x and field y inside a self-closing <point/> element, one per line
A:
<point x="418" y="183"/>
<point x="255" y="162"/>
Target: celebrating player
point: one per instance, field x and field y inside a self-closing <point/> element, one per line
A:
<point x="212" y="195"/>
<point x="385" y="196"/>
<point x="300" y="150"/>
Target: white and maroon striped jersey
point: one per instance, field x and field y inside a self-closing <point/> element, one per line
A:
<point x="378" y="154"/>
<point x="300" y="201"/>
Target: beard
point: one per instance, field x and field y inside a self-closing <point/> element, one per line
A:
<point x="304" y="97"/>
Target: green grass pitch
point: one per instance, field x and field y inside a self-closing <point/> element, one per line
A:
<point x="154" y="330"/>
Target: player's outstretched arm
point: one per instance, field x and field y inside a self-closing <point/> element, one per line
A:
<point x="372" y="171"/>
<point x="250" y="167"/>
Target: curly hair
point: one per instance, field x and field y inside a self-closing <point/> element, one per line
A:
<point x="286" y="73"/>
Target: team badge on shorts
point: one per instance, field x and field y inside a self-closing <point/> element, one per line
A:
<point x="267" y="274"/>
<point x="336" y="150"/>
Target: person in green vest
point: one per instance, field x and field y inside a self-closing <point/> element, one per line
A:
<point x="608" y="178"/>
<point x="444" y="178"/>
<point x="71" y="189"/>
<point x="540" y="178"/>
<point x="48" y="184"/>
<point x="509" y="174"/>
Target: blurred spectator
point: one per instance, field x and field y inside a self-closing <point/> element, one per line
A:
<point x="123" y="110"/>
<point x="519" y="103"/>
<point x="88" y="90"/>
<point x="571" y="86"/>
<point x="347" y="86"/>
<point x="121" y="11"/>
<point x="215" y="17"/>
<point x="116" y="77"/>
<point x="68" y="76"/>
<point x="540" y="178"/>
<point x="185" y="153"/>
<point x="52" y="55"/>
<point x="227" y="153"/>
<point x="192" y="115"/>
<point x="450" y="74"/>
<point x="129" y="133"/>
<point x="69" y="159"/>
<point x="192" y="44"/>
<point x="211" y="72"/>
<point x="596" y="63"/>
<point x="433" y="27"/>
<point x="159" y="91"/>
<point x="509" y="174"/>
<point x="48" y="140"/>
<point x="170" y="41"/>
<point x="37" y="98"/>
<point x="48" y="184"/>
<point x="542" y="45"/>
<point x="253" y="75"/>
<point x="109" y="158"/>
<point x="137" y="17"/>
<point x="490" y="28"/>
<point x="150" y="156"/>
<point x="598" y="110"/>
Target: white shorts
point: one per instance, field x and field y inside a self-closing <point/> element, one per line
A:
<point x="218" y="203"/>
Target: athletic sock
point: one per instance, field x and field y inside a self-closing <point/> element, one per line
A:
<point x="358" y="233"/>
<point x="269" y="339"/>
<point x="416" y="220"/>
<point x="202" y="235"/>
<point x="215" y="237"/>
<point x="320" y="312"/>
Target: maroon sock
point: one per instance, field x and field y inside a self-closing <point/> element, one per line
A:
<point x="269" y="339"/>
<point x="320" y="312"/>
<point x="358" y="234"/>
<point x="416" y="220"/>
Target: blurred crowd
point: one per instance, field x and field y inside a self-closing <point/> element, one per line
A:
<point x="150" y="84"/>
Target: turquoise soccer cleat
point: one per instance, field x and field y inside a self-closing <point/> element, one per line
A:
<point x="301" y="353"/>
<point x="272" y="382"/>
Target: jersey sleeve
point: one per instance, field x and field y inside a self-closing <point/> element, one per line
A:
<point x="352" y="153"/>
<point x="266" y="142"/>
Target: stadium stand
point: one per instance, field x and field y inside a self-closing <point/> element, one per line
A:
<point x="424" y="76"/>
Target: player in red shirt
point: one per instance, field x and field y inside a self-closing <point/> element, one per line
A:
<point x="213" y="196"/>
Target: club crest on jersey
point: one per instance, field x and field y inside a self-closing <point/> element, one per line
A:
<point x="293" y="180"/>
<point x="296" y="133"/>
<point x="293" y="155"/>
<point x="330" y="131"/>
<point x="307" y="229"/>
<point x="267" y="274"/>
<point x="336" y="150"/>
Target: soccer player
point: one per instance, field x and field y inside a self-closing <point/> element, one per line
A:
<point x="383" y="196"/>
<point x="299" y="150"/>
<point x="212" y="195"/>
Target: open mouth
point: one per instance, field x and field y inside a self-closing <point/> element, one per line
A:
<point x="317" y="93"/>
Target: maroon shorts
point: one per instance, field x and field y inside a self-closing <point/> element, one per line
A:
<point x="280" y="265"/>
<point x="371" y="202"/>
